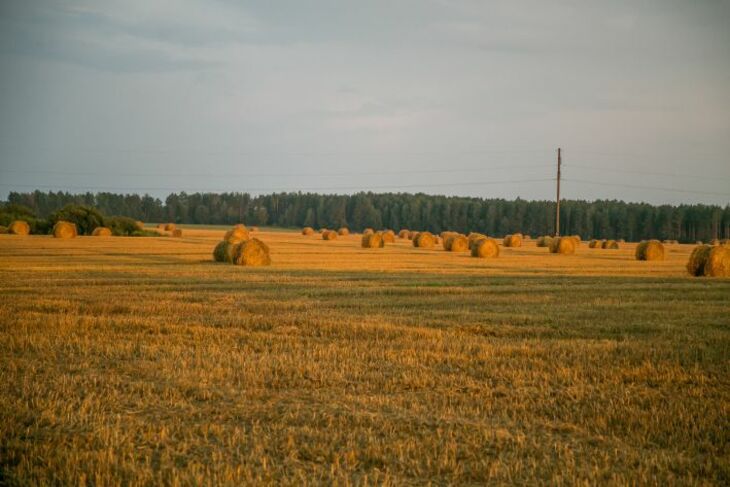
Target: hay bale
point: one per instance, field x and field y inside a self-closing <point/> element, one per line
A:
<point x="3" y="229"/>
<point x="101" y="232"/>
<point x="372" y="241"/>
<point x="457" y="243"/>
<point x="473" y="237"/>
<point x="236" y="234"/>
<point x="254" y="229"/>
<point x="388" y="236"/>
<point x="595" y="244"/>
<point x="485" y="248"/>
<point x="343" y="231"/>
<point x="307" y="231"/>
<point x="709" y="261"/>
<point x="621" y="240"/>
<point x="403" y="233"/>
<point x="160" y="226"/>
<point x="169" y="227"/>
<point x="19" y="227"/>
<point x="436" y="240"/>
<point x="63" y="229"/>
<point x="650" y="250"/>
<point x="577" y="238"/>
<point x="252" y="252"/>
<point x="177" y="233"/>
<point x="368" y="231"/>
<point x="514" y="240"/>
<point x="223" y="252"/>
<point x="544" y="241"/>
<point x="139" y="224"/>
<point x="322" y="230"/>
<point x="562" y="245"/>
<point x="329" y="235"/>
<point x="610" y="244"/>
<point x="424" y="240"/>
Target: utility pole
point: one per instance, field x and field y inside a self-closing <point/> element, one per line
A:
<point x="557" y="200"/>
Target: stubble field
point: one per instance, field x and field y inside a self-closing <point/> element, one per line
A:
<point x="128" y="361"/>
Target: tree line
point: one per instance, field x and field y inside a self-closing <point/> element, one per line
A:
<point x="589" y="219"/>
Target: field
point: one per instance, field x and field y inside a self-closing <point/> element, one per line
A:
<point x="128" y="361"/>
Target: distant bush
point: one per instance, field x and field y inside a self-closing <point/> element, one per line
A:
<point x="121" y="225"/>
<point x="86" y="218"/>
<point x="11" y="212"/>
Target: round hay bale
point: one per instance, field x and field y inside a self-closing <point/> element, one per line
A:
<point x="562" y="245"/>
<point x="436" y="240"/>
<point x="169" y="227"/>
<point x="473" y="237"/>
<point x="595" y="244"/>
<point x="307" y="231"/>
<point x="101" y="232"/>
<point x="650" y="250"/>
<point x="19" y="227"/>
<point x="403" y="233"/>
<point x="544" y="241"/>
<point x="485" y="248"/>
<point x="63" y="229"/>
<point x="424" y="240"/>
<point x="177" y="233"/>
<point x="3" y="229"/>
<point x="139" y="224"/>
<point x="699" y="242"/>
<point x="160" y="226"/>
<point x="457" y="243"/>
<point x="621" y="240"/>
<point x="577" y="238"/>
<point x="372" y="241"/>
<point x="368" y="231"/>
<point x="329" y="235"/>
<point x="223" y="251"/>
<point x="709" y="261"/>
<point x="252" y="252"/>
<point x="514" y="240"/>
<point x="610" y="244"/>
<point x="388" y="236"/>
<point x="343" y="231"/>
<point x="236" y="234"/>
<point x="412" y="234"/>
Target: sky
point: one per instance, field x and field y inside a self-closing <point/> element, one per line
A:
<point x="444" y="97"/>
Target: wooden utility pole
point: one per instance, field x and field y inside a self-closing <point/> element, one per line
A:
<point x="557" y="200"/>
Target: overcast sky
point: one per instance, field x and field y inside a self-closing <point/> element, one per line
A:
<point x="445" y="97"/>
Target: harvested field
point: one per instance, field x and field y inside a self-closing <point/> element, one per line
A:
<point x="142" y="361"/>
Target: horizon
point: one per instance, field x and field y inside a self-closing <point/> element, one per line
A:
<point x="376" y="193"/>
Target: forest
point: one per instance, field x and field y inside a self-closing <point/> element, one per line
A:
<point x="589" y="219"/>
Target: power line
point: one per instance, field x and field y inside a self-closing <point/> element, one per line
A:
<point x="274" y="175"/>
<point x="647" y="173"/>
<point x="265" y="190"/>
<point x="599" y="183"/>
<point x="188" y="150"/>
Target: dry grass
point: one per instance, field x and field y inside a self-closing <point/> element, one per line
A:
<point x="139" y="361"/>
